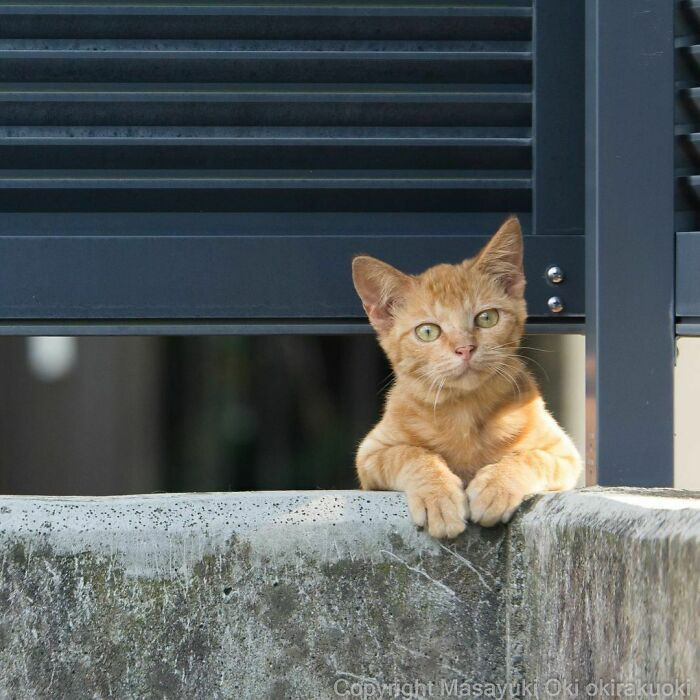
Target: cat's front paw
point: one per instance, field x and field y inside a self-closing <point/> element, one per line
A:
<point x="442" y="503"/>
<point x="493" y="496"/>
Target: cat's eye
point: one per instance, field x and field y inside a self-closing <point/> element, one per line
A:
<point x="487" y="319"/>
<point x="427" y="332"/>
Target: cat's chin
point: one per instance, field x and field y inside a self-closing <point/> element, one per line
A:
<point x="466" y="378"/>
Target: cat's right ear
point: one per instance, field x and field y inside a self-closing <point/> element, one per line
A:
<point x="380" y="287"/>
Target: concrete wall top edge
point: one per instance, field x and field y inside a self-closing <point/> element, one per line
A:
<point x="637" y="513"/>
<point x="142" y="531"/>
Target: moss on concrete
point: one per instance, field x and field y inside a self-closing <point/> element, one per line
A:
<point x="281" y="595"/>
<point x="216" y="612"/>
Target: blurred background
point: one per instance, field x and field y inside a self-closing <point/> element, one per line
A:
<point x="118" y="415"/>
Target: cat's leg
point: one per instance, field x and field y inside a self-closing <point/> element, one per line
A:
<point x="498" y="489"/>
<point x="433" y="491"/>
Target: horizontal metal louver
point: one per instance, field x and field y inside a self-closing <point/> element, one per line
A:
<point x="266" y="107"/>
<point x="213" y="166"/>
<point x="687" y="157"/>
<point x="688" y="112"/>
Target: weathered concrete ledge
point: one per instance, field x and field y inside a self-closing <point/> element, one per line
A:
<point x="330" y="594"/>
<point x="604" y="586"/>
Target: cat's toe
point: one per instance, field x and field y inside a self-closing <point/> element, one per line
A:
<point x="436" y="524"/>
<point x="454" y="528"/>
<point x="439" y="504"/>
<point x="416" y="507"/>
<point x="461" y="503"/>
<point x="446" y="517"/>
<point x="508" y="513"/>
<point x="491" y="502"/>
<point x="494" y="512"/>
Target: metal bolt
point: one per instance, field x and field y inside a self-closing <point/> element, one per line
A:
<point x="555" y="274"/>
<point x="556" y="305"/>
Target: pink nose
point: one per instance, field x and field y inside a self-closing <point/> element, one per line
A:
<point x="465" y="351"/>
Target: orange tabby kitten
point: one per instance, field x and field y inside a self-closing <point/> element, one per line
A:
<point x="464" y="410"/>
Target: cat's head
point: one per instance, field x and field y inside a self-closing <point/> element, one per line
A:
<point x="452" y="324"/>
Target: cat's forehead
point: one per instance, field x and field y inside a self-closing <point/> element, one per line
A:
<point x="451" y="285"/>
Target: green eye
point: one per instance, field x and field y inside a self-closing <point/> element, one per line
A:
<point x="487" y="319"/>
<point x="427" y="332"/>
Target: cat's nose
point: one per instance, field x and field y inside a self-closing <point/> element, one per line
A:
<point x="465" y="351"/>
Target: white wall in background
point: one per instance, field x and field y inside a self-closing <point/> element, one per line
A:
<point x="559" y="363"/>
<point x="687" y="414"/>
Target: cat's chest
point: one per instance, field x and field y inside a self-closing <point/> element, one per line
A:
<point x="468" y="442"/>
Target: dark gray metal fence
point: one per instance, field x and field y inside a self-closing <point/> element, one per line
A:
<point x="184" y="168"/>
<point x="688" y="167"/>
<point x="219" y="164"/>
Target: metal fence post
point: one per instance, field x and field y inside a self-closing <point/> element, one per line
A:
<point x="630" y="241"/>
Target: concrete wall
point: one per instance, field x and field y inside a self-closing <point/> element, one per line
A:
<point x="330" y="594"/>
<point x="606" y="586"/>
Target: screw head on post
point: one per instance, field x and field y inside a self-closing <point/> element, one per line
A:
<point x="555" y="274"/>
<point x="556" y="305"/>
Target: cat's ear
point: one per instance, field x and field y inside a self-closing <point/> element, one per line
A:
<point x="380" y="287"/>
<point x="502" y="257"/>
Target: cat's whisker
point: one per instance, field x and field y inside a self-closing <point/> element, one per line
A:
<point x="520" y="356"/>
<point x="509" y="344"/>
<point x="389" y="377"/>
<point x="429" y="375"/>
<point x="517" y="346"/>
<point x="501" y="368"/>
<point x="386" y="382"/>
<point x="437" y="396"/>
<point x="500" y="372"/>
<point x="436" y="379"/>
<point x="532" y="359"/>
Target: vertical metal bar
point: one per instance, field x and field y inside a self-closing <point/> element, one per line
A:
<point x="630" y="242"/>
<point x="558" y="118"/>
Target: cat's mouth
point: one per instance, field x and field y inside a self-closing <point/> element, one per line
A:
<point x="463" y="369"/>
<point x="465" y="377"/>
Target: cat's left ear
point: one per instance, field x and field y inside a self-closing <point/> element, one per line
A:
<point x="502" y="257"/>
